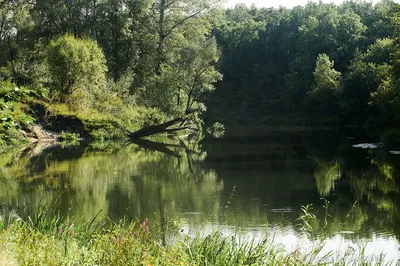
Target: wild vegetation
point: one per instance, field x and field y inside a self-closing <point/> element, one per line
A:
<point x="55" y="240"/>
<point x="312" y="64"/>
<point x="118" y="66"/>
<point x="85" y="66"/>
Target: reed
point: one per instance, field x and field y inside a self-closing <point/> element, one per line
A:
<point x="48" y="238"/>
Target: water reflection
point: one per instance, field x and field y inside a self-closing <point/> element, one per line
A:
<point x="129" y="182"/>
<point x="248" y="179"/>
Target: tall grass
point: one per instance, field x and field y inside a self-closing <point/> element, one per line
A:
<point x="47" y="238"/>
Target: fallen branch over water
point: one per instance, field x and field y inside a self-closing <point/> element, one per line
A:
<point x="156" y="129"/>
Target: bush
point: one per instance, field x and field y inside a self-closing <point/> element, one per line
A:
<point x="76" y="64"/>
<point x="14" y="113"/>
<point x="12" y="105"/>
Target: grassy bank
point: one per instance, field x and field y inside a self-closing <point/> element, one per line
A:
<point x="27" y="111"/>
<point x="52" y="240"/>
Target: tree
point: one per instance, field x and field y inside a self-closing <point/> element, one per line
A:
<point x="15" y="24"/>
<point x="326" y="78"/>
<point x="386" y="97"/>
<point x="75" y="64"/>
<point x="184" y="60"/>
<point x="245" y="77"/>
<point x="170" y="15"/>
<point x="57" y="17"/>
<point x="188" y="78"/>
<point x="363" y="78"/>
<point x="123" y="29"/>
<point x="326" y="87"/>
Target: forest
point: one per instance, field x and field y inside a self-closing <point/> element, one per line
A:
<point x="103" y="69"/>
<point x="317" y="64"/>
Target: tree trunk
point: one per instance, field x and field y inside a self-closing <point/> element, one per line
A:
<point x="161" y="34"/>
<point x="161" y="128"/>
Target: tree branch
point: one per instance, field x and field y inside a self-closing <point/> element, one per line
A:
<point x="183" y="21"/>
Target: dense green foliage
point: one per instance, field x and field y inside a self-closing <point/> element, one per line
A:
<point x="142" y="63"/>
<point x="75" y="64"/>
<point x="13" y="112"/>
<point x="321" y="62"/>
<point x="134" y="64"/>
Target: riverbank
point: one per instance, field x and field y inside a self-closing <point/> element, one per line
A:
<point x="56" y="241"/>
<point x="31" y="115"/>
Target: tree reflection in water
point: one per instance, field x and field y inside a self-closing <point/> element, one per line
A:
<point x="274" y="173"/>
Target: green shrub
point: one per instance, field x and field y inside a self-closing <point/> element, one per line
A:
<point x="76" y="64"/>
<point x="12" y="105"/>
<point x="14" y="112"/>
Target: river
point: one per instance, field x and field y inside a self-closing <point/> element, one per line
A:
<point x="249" y="182"/>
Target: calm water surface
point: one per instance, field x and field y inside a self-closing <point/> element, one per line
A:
<point x="250" y="182"/>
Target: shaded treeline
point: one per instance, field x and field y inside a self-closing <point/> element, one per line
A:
<point x="314" y="63"/>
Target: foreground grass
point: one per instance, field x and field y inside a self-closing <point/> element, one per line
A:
<point x="56" y="241"/>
